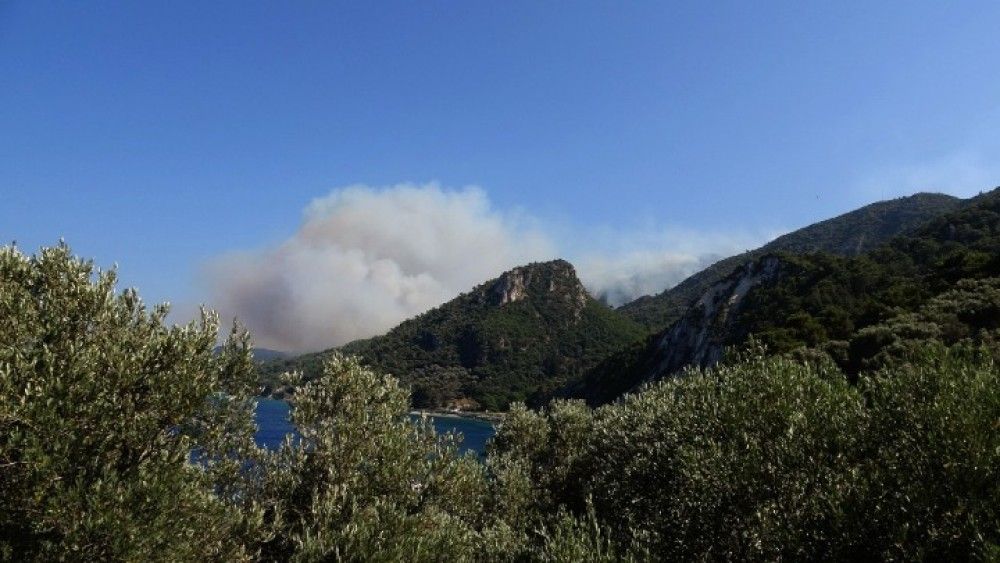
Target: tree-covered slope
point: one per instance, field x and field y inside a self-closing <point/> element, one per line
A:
<point x="821" y="299"/>
<point x="849" y="234"/>
<point x="827" y="302"/>
<point x="524" y="333"/>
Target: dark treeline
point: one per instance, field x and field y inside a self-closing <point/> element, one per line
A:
<point x="765" y="457"/>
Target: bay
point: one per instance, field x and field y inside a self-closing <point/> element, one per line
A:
<point x="273" y="425"/>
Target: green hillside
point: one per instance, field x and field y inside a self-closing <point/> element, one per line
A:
<point x="849" y="234"/>
<point x="512" y="338"/>
<point x="851" y="308"/>
<point x="823" y="300"/>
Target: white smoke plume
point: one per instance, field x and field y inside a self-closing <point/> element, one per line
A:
<point x="623" y="266"/>
<point x="619" y="279"/>
<point x="366" y="258"/>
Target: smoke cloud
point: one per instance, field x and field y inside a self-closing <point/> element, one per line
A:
<point x="628" y="265"/>
<point x="366" y="258"/>
<point x="619" y="279"/>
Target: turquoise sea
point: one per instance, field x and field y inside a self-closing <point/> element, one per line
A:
<point x="273" y="425"/>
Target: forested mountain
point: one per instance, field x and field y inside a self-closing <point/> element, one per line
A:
<point x="849" y="234"/>
<point x="524" y="333"/>
<point x="936" y="283"/>
<point x="483" y="350"/>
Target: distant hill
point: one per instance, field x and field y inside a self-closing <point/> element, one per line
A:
<point x="849" y="234"/>
<point x="856" y="309"/>
<point x="263" y="354"/>
<point x="523" y="334"/>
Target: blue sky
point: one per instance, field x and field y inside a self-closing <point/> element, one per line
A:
<point x="162" y="135"/>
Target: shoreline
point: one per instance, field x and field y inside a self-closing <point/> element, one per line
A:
<point x="493" y="418"/>
<point x="490" y="417"/>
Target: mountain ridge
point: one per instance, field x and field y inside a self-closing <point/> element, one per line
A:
<point x="818" y="300"/>
<point x="535" y="331"/>
<point x="848" y="234"/>
<point x="523" y="333"/>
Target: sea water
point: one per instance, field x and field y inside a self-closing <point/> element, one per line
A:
<point x="273" y="425"/>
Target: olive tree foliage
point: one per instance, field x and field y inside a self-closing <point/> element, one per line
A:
<point x="122" y="438"/>
<point x="928" y="486"/>
<point x="541" y="464"/>
<point x="543" y="457"/>
<point x="747" y="461"/>
<point x="769" y="458"/>
<point x="364" y="482"/>
<point x="101" y="406"/>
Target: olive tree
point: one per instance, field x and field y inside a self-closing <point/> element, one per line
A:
<point x="363" y="481"/>
<point x="929" y="484"/>
<point x="102" y="408"/>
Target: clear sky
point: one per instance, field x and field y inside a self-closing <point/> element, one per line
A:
<point x="161" y="135"/>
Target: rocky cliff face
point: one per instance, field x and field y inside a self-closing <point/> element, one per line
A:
<point x="699" y="337"/>
<point x="511" y="286"/>
<point x="554" y="280"/>
<point x="849" y="235"/>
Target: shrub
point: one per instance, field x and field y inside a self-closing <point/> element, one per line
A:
<point x="751" y="460"/>
<point x="928" y="487"/>
<point x="100" y="407"/>
<point x="774" y="458"/>
<point x="367" y="483"/>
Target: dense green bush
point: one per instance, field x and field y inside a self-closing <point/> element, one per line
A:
<point x="769" y="458"/>
<point x="929" y="482"/>
<point x="743" y="462"/>
<point x="548" y="447"/>
<point x="365" y="482"/>
<point x="100" y="407"/>
<point x="967" y="314"/>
